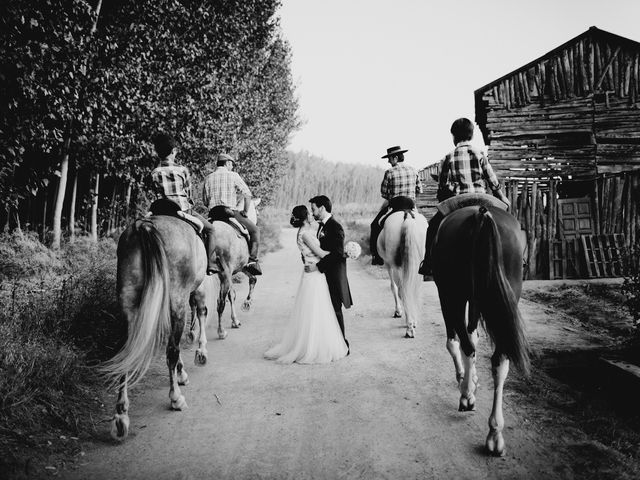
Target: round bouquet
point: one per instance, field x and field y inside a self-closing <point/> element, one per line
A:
<point x="352" y="250"/>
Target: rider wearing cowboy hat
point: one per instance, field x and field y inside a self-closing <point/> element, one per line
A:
<point x="399" y="188"/>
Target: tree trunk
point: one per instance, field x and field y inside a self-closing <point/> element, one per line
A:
<point x="62" y="188"/>
<point x="127" y="202"/>
<point x="72" y="210"/>
<point x="64" y="166"/>
<point x="94" y="209"/>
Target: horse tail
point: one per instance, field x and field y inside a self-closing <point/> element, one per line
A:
<point x="493" y="295"/>
<point x="149" y="317"/>
<point x="408" y="258"/>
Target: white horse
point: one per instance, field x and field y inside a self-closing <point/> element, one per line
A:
<point x="401" y="246"/>
<point x="234" y="254"/>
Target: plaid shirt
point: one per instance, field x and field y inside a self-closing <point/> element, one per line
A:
<point x="220" y="188"/>
<point x="173" y="182"/>
<point x="466" y="169"/>
<point x="400" y="180"/>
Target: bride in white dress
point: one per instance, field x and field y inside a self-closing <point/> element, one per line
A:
<point x="312" y="334"/>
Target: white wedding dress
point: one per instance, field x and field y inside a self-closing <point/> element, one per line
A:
<point x="312" y="334"/>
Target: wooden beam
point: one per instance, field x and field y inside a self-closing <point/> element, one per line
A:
<point x="606" y="68"/>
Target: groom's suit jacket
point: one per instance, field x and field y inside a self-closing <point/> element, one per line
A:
<point x="334" y="264"/>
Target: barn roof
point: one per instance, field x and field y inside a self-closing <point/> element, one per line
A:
<point x="592" y="32"/>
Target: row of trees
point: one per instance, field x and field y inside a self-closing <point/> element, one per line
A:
<point x="84" y="85"/>
<point x="307" y="175"/>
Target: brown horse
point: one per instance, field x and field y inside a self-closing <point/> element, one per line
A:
<point x="477" y="262"/>
<point x="161" y="261"/>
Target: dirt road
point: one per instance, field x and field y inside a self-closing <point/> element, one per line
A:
<point x="389" y="410"/>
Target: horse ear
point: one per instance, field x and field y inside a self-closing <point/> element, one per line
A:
<point x="434" y="176"/>
<point x="257" y="201"/>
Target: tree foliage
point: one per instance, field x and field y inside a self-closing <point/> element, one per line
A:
<point x="216" y="74"/>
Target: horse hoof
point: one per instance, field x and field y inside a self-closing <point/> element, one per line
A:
<point x="408" y="335"/>
<point x="120" y="427"/>
<point x="397" y="314"/>
<point x="183" y="378"/>
<point x="222" y="334"/>
<point x="236" y="325"/>
<point x="467" y="405"/>
<point x="191" y="336"/>
<point x="179" y="404"/>
<point x="495" y="443"/>
<point x="246" y="306"/>
<point x="201" y="357"/>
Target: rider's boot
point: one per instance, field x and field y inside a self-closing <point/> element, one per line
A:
<point x="212" y="265"/>
<point x="253" y="266"/>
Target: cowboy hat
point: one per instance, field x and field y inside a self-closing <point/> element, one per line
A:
<point x="393" y="151"/>
<point x="225" y="157"/>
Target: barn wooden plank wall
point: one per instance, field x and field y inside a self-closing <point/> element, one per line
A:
<point x="534" y="204"/>
<point x="572" y="113"/>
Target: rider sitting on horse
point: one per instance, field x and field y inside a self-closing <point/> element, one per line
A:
<point x="173" y="182"/>
<point x="464" y="170"/>
<point x="220" y="188"/>
<point x="399" y="188"/>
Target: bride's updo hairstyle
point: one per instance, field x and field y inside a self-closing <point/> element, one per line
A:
<point x="298" y="215"/>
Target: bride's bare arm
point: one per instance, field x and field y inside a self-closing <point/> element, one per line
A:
<point x="311" y="242"/>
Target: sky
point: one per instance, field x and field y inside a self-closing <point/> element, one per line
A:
<point x="371" y="74"/>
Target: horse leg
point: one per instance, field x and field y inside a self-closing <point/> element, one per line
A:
<point x="499" y="371"/>
<point x="453" y="347"/>
<point x="191" y="335"/>
<point x="201" y="351"/>
<point x="173" y="356"/>
<point x="394" y="291"/>
<point x="225" y="284"/>
<point x="469" y="383"/>
<point x="120" y="421"/>
<point x="246" y="306"/>
<point x="181" y="373"/>
<point x="453" y="310"/>
<point x="232" y="304"/>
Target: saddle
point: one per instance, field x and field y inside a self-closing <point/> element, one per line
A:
<point x="164" y="206"/>
<point x="399" y="204"/>
<point x="222" y="213"/>
<point x="469" y="199"/>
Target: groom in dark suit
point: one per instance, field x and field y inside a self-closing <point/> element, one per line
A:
<point x="333" y="265"/>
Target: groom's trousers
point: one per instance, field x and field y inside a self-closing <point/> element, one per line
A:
<point x="337" y="307"/>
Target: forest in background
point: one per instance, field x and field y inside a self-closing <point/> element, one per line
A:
<point x="307" y="175"/>
<point x="84" y="85"/>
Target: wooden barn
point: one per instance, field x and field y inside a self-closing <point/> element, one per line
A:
<point x="564" y="136"/>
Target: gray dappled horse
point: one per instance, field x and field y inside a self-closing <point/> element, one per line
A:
<point x="477" y="262"/>
<point x="232" y="254"/>
<point x="401" y="246"/>
<point x="161" y="261"/>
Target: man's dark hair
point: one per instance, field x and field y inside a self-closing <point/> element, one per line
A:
<point x="322" y="201"/>
<point x="164" y="144"/>
<point x="298" y="215"/>
<point x="221" y="163"/>
<point x="462" y="130"/>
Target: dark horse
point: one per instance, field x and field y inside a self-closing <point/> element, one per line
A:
<point x="477" y="262"/>
<point x="161" y="262"/>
